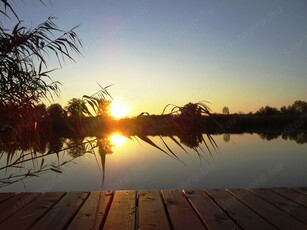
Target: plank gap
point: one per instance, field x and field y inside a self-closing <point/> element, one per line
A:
<point x="136" y="216"/>
<point x="61" y="214"/>
<point x="71" y="218"/>
<point x="6" y="196"/>
<point x="181" y="212"/>
<point x="244" y="216"/>
<point x="166" y="211"/>
<point x="196" y="210"/>
<point x="152" y="214"/>
<point x="17" y="202"/>
<point x="276" y="217"/>
<point x="292" y="195"/>
<point x="107" y="210"/>
<point x="122" y="211"/>
<point x="251" y="208"/>
<point x="209" y="212"/>
<point x="64" y="194"/>
<point x="222" y="208"/>
<point x="279" y="202"/>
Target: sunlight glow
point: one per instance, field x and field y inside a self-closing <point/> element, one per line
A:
<point x="117" y="139"/>
<point x="118" y="109"/>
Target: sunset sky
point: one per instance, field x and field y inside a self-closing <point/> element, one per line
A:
<point x="240" y="54"/>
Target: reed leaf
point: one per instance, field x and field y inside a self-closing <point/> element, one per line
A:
<point x="178" y="143"/>
<point x="56" y="170"/>
<point x="150" y="142"/>
<point x="169" y="149"/>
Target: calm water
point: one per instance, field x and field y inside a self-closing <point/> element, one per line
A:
<point x="245" y="161"/>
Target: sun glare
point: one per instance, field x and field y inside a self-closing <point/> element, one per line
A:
<point x="118" y="139"/>
<point x="118" y="109"/>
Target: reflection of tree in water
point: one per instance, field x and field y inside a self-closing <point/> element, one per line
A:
<point x="55" y="144"/>
<point x="104" y="146"/>
<point x="36" y="148"/>
<point x="11" y="141"/>
<point x="226" y="137"/>
<point x="195" y="140"/>
<point x="187" y="122"/>
<point x="76" y="147"/>
<point x="269" y="136"/>
<point x="191" y="140"/>
<point x="30" y="155"/>
<point x="298" y="137"/>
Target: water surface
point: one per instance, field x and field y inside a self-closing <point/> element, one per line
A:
<point x="245" y="161"/>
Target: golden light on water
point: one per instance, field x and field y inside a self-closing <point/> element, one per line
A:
<point x="117" y="139"/>
<point x="119" y="109"/>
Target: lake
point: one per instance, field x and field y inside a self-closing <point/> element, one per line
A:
<point x="244" y="161"/>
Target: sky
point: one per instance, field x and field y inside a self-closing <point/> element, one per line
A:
<point x="239" y="54"/>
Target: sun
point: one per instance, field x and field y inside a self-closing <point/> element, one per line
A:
<point x="118" y="109"/>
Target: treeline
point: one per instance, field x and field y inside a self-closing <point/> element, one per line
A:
<point x="51" y="118"/>
<point x="77" y="110"/>
<point x="298" y="107"/>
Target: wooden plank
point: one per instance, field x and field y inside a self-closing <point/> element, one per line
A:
<point x="295" y="210"/>
<point x="92" y="212"/>
<point x="181" y="213"/>
<point x="152" y="214"/>
<point x="62" y="213"/>
<point x="301" y="190"/>
<point x="122" y="211"/>
<point x="6" y="196"/>
<point x="292" y="195"/>
<point x="243" y="216"/>
<point x="27" y="216"/>
<point x="216" y="209"/>
<point x="211" y="214"/>
<point x="278" y="218"/>
<point x="10" y="206"/>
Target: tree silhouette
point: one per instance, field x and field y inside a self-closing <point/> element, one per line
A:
<point x="76" y="108"/>
<point x="299" y="107"/>
<point x="225" y="110"/>
<point x="56" y="112"/>
<point x="267" y="110"/>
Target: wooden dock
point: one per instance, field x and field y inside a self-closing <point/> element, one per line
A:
<point x="275" y="208"/>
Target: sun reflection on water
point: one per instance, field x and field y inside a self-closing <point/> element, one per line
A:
<point x="117" y="139"/>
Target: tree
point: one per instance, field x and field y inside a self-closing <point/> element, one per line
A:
<point x="39" y="112"/>
<point x="55" y="112"/>
<point x="283" y="109"/>
<point x="98" y="102"/>
<point x="76" y="108"/>
<point x="104" y="107"/>
<point x="267" y="110"/>
<point x="225" y="110"/>
<point x="24" y="76"/>
<point x="299" y="106"/>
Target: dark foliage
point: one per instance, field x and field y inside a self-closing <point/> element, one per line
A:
<point x="298" y="107"/>
<point x="24" y="74"/>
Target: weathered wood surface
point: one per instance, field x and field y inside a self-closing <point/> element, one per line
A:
<point x="152" y="214"/>
<point x="122" y="212"/>
<point x="275" y="208"/>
